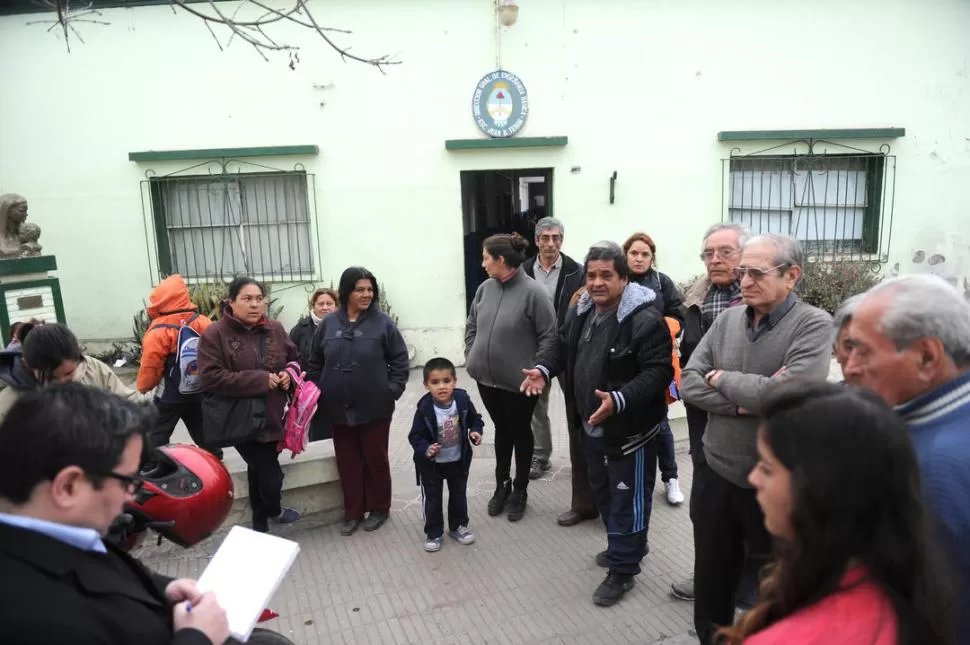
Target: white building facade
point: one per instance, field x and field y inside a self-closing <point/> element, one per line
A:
<point x="146" y="150"/>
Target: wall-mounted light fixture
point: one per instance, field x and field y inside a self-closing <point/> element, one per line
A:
<point x="508" y="11"/>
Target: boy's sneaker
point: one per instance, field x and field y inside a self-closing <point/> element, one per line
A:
<point x="432" y="544"/>
<point x="497" y="504"/>
<point x="462" y="535"/>
<point x="674" y="496"/>
<point x="612" y="590"/>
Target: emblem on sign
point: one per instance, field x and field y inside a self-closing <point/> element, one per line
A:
<point x="500" y="104"/>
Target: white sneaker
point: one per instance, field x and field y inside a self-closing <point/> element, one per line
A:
<point x="463" y="535"/>
<point x="432" y="545"/>
<point x="674" y="496"/>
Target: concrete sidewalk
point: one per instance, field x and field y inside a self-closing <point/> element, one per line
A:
<point x="529" y="582"/>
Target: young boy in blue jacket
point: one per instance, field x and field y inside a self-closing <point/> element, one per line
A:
<point x="445" y="426"/>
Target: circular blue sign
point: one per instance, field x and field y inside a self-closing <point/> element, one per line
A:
<point x="500" y="104"/>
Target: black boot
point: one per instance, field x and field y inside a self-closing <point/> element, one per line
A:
<point x="517" y="502"/>
<point x="612" y="590"/>
<point x="497" y="504"/>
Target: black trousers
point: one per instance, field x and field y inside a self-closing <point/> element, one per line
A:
<point x="433" y="478"/>
<point x="623" y="491"/>
<point x="729" y="528"/>
<point x="511" y="412"/>
<point x="265" y="480"/>
<point x="168" y="417"/>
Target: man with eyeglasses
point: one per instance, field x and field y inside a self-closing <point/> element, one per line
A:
<point x="773" y="337"/>
<point x="710" y="296"/>
<point x="69" y="460"/>
<point x="560" y="277"/>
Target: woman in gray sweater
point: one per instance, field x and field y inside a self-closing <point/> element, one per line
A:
<point x="511" y="327"/>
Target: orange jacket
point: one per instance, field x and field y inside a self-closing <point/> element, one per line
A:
<point x="674" y="327"/>
<point x="168" y="304"/>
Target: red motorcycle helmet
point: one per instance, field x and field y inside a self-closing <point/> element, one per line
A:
<point x="188" y="488"/>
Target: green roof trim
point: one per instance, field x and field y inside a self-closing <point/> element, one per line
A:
<point x="222" y="153"/>
<point x="511" y="142"/>
<point x="780" y="135"/>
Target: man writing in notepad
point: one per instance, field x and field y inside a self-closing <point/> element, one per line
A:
<point x="69" y="460"/>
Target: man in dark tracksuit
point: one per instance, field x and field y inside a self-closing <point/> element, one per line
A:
<point x="615" y="351"/>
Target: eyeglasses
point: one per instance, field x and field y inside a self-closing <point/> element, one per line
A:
<point x="723" y="252"/>
<point x="756" y="273"/>
<point x="550" y="238"/>
<point x="132" y="484"/>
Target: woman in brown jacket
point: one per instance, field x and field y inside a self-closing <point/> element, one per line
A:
<point x="243" y="355"/>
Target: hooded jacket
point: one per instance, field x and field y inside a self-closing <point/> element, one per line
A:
<point x="229" y="364"/>
<point x="361" y="367"/>
<point x="636" y="370"/>
<point x="424" y="431"/>
<point x="169" y="304"/>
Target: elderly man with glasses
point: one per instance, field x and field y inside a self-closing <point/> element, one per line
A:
<point x="774" y="336"/>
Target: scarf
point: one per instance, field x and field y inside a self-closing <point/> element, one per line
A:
<point x="316" y="319"/>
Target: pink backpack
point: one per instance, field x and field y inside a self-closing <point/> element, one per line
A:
<point x="299" y="413"/>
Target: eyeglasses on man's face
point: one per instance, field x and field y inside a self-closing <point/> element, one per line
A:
<point x="723" y="252"/>
<point x="131" y="484"/>
<point x="756" y="273"/>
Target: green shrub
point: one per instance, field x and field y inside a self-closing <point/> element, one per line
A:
<point x="384" y="305"/>
<point x="828" y="284"/>
<point x="210" y="297"/>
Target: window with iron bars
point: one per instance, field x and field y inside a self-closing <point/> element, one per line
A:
<point x="219" y="226"/>
<point x="835" y="205"/>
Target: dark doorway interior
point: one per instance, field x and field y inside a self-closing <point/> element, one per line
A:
<point x="500" y="201"/>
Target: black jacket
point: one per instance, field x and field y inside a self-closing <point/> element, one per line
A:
<point x="571" y="278"/>
<point x="361" y="367"/>
<point x="302" y="337"/>
<point x="636" y="372"/>
<point x="668" y="302"/>
<point x="424" y="430"/>
<point x="52" y="592"/>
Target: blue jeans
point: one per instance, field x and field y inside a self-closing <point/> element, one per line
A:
<point x="665" y="452"/>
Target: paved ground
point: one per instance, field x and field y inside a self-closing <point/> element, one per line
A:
<point x="528" y="582"/>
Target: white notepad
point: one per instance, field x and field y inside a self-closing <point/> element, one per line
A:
<point x="245" y="573"/>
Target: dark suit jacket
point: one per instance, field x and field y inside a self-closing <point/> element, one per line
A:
<point x="52" y="593"/>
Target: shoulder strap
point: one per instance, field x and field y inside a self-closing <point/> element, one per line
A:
<point x="261" y="351"/>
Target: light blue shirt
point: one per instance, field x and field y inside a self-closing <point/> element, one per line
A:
<point x="76" y="536"/>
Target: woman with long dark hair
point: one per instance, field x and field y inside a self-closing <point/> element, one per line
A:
<point x="360" y="361"/>
<point x="511" y="327"/>
<point x="840" y="489"/>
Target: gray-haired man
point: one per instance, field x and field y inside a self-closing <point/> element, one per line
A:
<point x="910" y="343"/>
<point x="775" y="336"/>
<point x="560" y="276"/>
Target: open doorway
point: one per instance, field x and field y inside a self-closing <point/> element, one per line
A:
<point x="500" y="201"/>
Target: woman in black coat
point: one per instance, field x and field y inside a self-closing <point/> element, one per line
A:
<point x="641" y="255"/>
<point x="323" y="302"/>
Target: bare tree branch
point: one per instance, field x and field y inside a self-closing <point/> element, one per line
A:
<point x="250" y="30"/>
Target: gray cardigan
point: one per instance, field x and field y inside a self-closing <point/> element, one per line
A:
<point x="801" y="342"/>
<point x="511" y="326"/>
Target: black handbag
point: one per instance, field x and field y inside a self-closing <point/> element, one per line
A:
<point x="231" y="420"/>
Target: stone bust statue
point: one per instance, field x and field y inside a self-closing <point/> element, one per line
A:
<point x="17" y="239"/>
